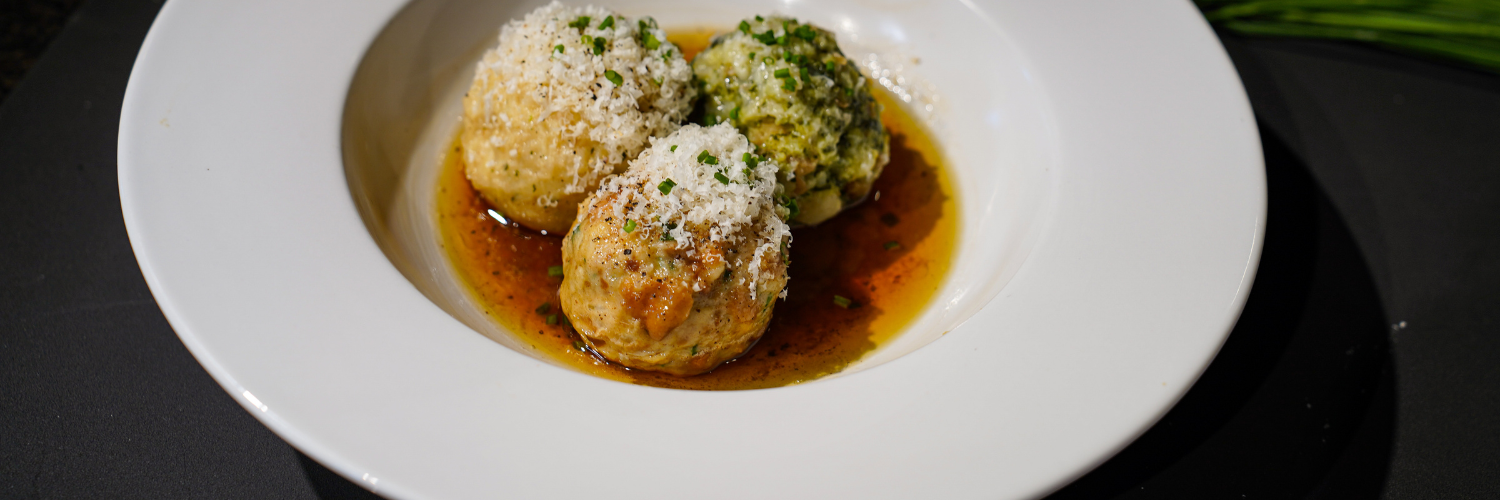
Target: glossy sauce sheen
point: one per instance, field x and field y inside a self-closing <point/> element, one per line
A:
<point x="887" y="256"/>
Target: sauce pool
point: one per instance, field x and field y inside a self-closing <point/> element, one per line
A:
<point x="887" y="256"/>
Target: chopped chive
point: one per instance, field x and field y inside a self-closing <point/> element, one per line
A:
<point x="554" y="271"/>
<point x="607" y="23"/>
<point x="841" y="301"/>
<point x="768" y="38"/>
<point x="615" y="78"/>
<point x="656" y="81"/>
<point x="734" y="114"/>
<point x="802" y="72"/>
<point x="789" y="84"/>
<point x="892" y="245"/>
<point x="674" y="148"/>
<point x="805" y="32"/>
<point x="667" y="56"/>
<point x="695" y="346"/>
<point x="578" y="344"/>
<point x="752" y="56"/>
<point x="580" y="23"/>
<point x="747" y="172"/>
<point x="782" y="73"/>
<point x="721" y="178"/>
<point x="629" y="226"/>
<point x="666" y="234"/>
<point x="542" y="309"/>
<point x="598" y="45"/>
<point x="558" y="49"/>
<point x="781" y="40"/>
<point x="788" y="56"/>
<point x="793" y="208"/>
<point x="745" y="27"/>
<point x="551" y="319"/>
<point x="829" y="66"/>
<point x="666" y="186"/>
<point x="704" y="157"/>
<point x="648" y="40"/>
<point x="758" y="18"/>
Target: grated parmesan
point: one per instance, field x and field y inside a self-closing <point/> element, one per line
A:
<point x="568" y="103"/>
<point x="724" y="199"/>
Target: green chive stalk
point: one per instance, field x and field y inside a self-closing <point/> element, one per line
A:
<point x="1463" y="31"/>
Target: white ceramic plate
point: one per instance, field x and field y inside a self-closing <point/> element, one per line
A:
<point x="275" y="155"/>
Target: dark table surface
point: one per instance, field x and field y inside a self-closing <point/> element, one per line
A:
<point x="1366" y="363"/>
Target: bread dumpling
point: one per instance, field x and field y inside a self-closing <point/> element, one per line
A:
<point x="801" y="102"/>
<point x="675" y="265"/>
<point x="568" y="96"/>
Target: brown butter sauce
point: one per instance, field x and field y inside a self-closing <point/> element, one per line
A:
<point x="888" y="256"/>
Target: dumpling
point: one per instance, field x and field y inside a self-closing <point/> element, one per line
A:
<point x="790" y="90"/>
<point x="568" y="96"/>
<point x="674" y="266"/>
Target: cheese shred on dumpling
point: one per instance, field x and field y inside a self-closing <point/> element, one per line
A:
<point x="675" y="264"/>
<point x="564" y="100"/>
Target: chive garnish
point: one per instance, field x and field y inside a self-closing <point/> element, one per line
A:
<point x="674" y="148"/>
<point x="805" y="32"/>
<point x="542" y="309"/>
<point x="551" y="319"/>
<point x="704" y="157"/>
<point x="734" y="114"/>
<point x="829" y="66"/>
<point x="892" y="245"/>
<point x="745" y="27"/>
<point x="554" y="271"/>
<point x="802" y="72"/>
<point x="558" y="49"/>
<point x="666" y="186"/>
<point x="782" y="73"/>
<point x="721" y="178"/>
<point x="758" y="18"/>
<point x="614" y="77"/>
<point x="752" y="57"/>
<point x="598" y="45"/>
<point x="629" y="226"/>
<point x="607" y="23"/>
<point x="580" y="23"/>
<point x="648" y="40"/>
<point x="842" y="301"/>
<point x="695" y="346"/>
<point x="789" y="84"/>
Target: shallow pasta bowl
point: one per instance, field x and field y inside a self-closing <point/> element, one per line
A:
<point x="1111" y="205"/>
